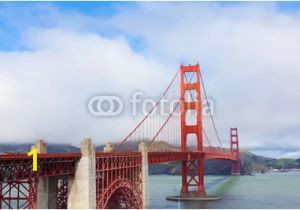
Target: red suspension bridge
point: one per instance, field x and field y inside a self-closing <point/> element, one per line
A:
<point x="117" y="176"/>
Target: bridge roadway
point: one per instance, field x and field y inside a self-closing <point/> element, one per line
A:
<point x="162" y="157"/>
<point x="14" y="167"/>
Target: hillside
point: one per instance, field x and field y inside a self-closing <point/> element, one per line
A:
<point x="250" y="163"/>
<point x="24" y="148"/>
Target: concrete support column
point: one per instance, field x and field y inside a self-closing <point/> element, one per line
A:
<point x="43" y="185"/>
<point x="41" y="146"/>
<point x="108" y="148"/>
<point x="82" y="187"/>
<point x="46" y="189"/>
<point x="52" y="193"/>
<point x="143" y="149"/>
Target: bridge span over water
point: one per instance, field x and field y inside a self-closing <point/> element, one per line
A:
<point x="117" y="176"/>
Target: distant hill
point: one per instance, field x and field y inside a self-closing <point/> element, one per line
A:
<point x="24" y="148"/>
<point x="250" y="163"/>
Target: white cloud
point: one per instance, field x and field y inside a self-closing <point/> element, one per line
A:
<point x="248" y="53"/>
<point x="291" y="155"/>
<point x="249" y="57"/>
<point x="44" y="92"/>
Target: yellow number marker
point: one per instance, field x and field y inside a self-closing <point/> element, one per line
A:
<point x="33" y="153"/>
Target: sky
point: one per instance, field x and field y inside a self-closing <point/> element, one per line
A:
<point x="54" y="56"/>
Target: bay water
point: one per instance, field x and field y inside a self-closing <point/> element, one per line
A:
<point x="271" y="190"/>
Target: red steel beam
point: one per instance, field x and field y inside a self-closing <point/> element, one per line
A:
<point x="162" y="157"/>
<point x="15" y="167"/>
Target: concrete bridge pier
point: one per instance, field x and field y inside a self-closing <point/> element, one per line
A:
<point x="82" y="187"/>
<point x="108" y="148"/>
<point x="46" y="188"/>
<point x="145" y="172"/>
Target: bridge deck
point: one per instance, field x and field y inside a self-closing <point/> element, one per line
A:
<point x="154" y="157"/>
<point x="161" y="157"/>
<point x="19" y="166"/>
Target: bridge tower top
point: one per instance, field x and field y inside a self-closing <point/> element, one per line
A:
<point x="234" y="140"/>
<point x="190" y="81"/>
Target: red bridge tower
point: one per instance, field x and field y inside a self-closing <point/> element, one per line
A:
<point x="234" y="142"/>
<point x="192" y="170"/>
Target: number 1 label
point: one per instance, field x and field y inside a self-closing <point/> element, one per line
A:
<point x="33" y="153"/>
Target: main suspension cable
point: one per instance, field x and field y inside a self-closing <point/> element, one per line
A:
<point x="181" y="97"/>
<point x="153" y="108"/>
<point x="212" y="119"/>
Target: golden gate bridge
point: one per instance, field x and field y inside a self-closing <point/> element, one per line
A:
<point x="117" y="176"/>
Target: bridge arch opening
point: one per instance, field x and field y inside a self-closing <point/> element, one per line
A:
<point x="123" y="198"/>
<point x="122" y="194"/>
